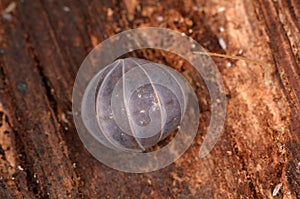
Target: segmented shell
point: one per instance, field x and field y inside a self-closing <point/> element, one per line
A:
<point x="132" y="104"/>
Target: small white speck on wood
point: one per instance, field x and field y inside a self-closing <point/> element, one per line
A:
<point x="195" y="8"/>
<point x="222" y="43"/>
<point x="20" y="168"/>
<point x="7" y="16"/>
<point x="160" y="18"/>
<point x="110" y="12"/>
<point x="64" y="118"/>
<point x="277" y="189"/>
<point x="221" y="9"/>
<point x="11" y="7"/>
<point x="66" y="9"/>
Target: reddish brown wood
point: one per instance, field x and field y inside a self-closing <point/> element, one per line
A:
<point x="42" y="44"/>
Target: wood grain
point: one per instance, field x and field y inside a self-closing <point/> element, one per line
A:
<point x="42" y="44"/>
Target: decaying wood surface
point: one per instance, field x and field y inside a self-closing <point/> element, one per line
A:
<point x="42" y="44"/>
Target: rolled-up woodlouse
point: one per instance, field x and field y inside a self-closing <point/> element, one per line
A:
<point x="132" y="104"/>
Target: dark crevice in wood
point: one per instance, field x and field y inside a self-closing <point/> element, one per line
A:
<point x="48" y="88"/>
<point x="50" y="95"/>
<point x="2" y="153"/>
<point x="2" y="185"/>
<point x="3" y="82"/>
<point x="55" y="105"/>
<point x="1" y="118"/>
<point x="292" y="12"/>
<point x="33" y="55"/>
<point x="252" y="188"/>
<point x="64" y="54"/>
<point x="31" y="181"/>
<point x="273" y="30"/>
<point x="46" y="82"/>
<point x="26" y="161"/>
<point x="293" y="173"/>
<point x="244" y="168"/>
<point x="3" y="191"/>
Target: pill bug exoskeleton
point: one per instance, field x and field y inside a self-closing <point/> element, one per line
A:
<point x="132" y="104"/>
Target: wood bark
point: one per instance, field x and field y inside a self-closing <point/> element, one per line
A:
<point x="43" y="43"/>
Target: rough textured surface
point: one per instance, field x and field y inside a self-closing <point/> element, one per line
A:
<point x="42" y="44"/>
